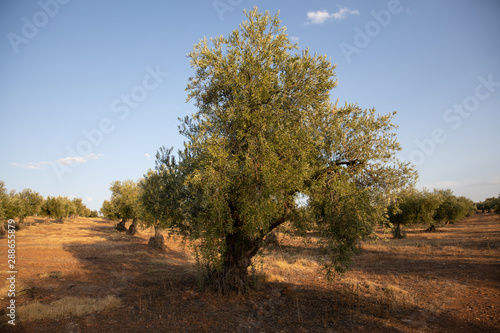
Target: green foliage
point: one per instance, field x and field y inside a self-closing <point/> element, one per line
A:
<point x="414" y="207"/>
<point x="124" y="203"/>
<point x="92" y="213"/>
<point x="28" y="203"/>
<point x="432" y="208"/>
<point x="78" y="208"/>
<point x="109" y="211"/>
<point x="161" y="191"/>
<point x="56" y="207"/>
<point x="266" y="133"/>
<point x="452" y="208"/>
<point x="490" y="204"/>
<point x="3" y="201"/>
<point x="20" y="205"/>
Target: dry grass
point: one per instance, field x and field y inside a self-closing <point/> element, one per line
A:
<point x="66" y="307"/>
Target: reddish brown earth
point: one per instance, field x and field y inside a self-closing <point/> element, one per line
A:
<point x="448" y="281"/>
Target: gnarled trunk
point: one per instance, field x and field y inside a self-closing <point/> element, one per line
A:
<point x="157" y="241"/>
<point x="133" y="227"/>
<point x="121" y="225"/>
<point x="237" y="258"/>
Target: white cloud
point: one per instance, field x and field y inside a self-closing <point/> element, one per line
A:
<point x="147" y="156"/>
<point x="343" y="13"/>
<point x="67" y="161"/>
<point x="294" y="39"/>
<point x="321" y="16"/>
<point x="77" y="159"/>
<point x="89" y="198"/>
<point x="318" y="17"/>
<point x="32" y="165"/>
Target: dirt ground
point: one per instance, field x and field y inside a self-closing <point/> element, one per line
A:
<point x="448" y="281"/>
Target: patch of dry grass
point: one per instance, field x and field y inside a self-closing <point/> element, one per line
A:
<point x="66" y="307"/>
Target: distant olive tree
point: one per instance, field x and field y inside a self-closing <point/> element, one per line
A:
<point x="56" y="207"/>
<point x="4" y="196"/>
<point x="490" y="204"/>
<point x="31" y="202"/>
<point x="413" y="207"/>
<point x="452" y="208"/>
<point x="161" y="190"/>
<point x="3" y="207"/>
<point x="124" y="204"/>
<point x="432" y="208"/>
<point x="108" y="210"/>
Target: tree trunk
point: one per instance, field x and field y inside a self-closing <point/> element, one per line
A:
<point x="398" y="232"/>
<point x="432" y="228"/>
<point x="237" y="258"/>
<point x="121" y="226"/>
<point x="157" y="241"/>
<point x="133" y="227"/>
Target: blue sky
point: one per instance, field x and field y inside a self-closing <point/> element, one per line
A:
<point x="89" y="90"/>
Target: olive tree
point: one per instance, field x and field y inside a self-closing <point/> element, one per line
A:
<point x="452" y="208"/>
<point x="3" y="201"/>
<point x="124" y="204"/>
<point x="3" y="207"/>
<point x="266" y="133"/>
<point x="56" y="207"/>
<point x="413" y="207"/>
<point x="161" y="190"/>
<point x="31" y="202"/>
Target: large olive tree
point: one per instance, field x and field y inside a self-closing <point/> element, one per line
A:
<point x="265" y="134"/>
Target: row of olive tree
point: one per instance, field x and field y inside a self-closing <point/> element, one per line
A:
<point x="424" y="207"/>
<point x="137" y="201"/>
<point x="490" y="204"/>
<point x="30" y="203"/>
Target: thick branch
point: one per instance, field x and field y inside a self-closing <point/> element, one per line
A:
<point x="331" y="168"/>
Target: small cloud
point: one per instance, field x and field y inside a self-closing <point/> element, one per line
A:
<point x="89" y="198"/>
<point x="343" y="13"/>
<point x="318" y="17"/>
<point x="32" y="165"/>
<point x="67" y="161"/>
<point x="294" y="39"/>
<point x="321" y="16"/>
<point x="147" y="156"/>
